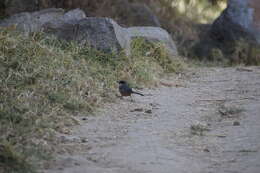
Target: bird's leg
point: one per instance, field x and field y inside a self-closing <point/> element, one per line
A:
<point x="132" y="100"/>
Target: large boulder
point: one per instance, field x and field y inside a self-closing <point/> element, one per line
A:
<point x="255" y="5"/>
<point x="106" y="35"/>
<point x="234" y="35"/>
<point x="102" y="33"/>
<point x="153" y="34"/>
<point x="241" y="19"/>
<point x="96" y="32"/>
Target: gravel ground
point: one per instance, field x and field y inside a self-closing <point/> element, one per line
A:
<point x="207" y="121"/>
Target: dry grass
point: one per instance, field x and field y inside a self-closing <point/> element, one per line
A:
<point x="244" y="52"/>
<point x="44" y="83"/>
<point x="198" y="129"/>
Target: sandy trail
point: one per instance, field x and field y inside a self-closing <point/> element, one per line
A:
<point x="154" y="134"/>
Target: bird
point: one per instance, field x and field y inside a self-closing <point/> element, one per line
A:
<point x="125" y="90"/>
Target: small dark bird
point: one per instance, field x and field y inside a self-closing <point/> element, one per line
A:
<point x="125" y="90"/>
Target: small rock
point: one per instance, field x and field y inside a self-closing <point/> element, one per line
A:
<point x="63" y="139"/>
<point x="154" y="105"/>
<point x="236" y="123"/>
<point x="206" y="150"/>
<point x="77" y="164"/>
<point x="84" y="119"/>
<point x="221" y="136"/>
<point x="137" y="110"/>
<point x="84" y="140"/>
<point x="65" y="131"/>
<point x="148" y="111"/>
<point x="68" y="139"/>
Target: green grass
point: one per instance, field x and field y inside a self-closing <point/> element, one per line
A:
<point x="158" y="54"/>
<point x="11" y="161"/>
<point x="45" y="82"/>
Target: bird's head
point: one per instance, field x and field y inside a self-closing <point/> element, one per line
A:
<point x="121" y="82"/>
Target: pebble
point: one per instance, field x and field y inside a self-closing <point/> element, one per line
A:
<point x="206" y="150"/>
<point x="236" y="123"/>
<point x="149" y="111"/>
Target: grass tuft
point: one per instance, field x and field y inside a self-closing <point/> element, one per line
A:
<point x="157" y="52"/>
<point x="11" y="161"/>
<point x="198" y="129"/>
<point x="244" y="52"/>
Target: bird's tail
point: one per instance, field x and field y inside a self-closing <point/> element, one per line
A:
<point x="137" y="93"/>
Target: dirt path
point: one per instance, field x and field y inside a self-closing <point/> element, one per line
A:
<point x="210" y="124"/>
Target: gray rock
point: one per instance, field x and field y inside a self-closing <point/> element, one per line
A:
<point x="37" y="21"/>
<point x="101" y="33"/>
<point x="154" y="34"/>
<point x="238" y="20"/>
<point x="96" y="32"/>
<point x="71" y="17"/>
<point x="32" y="22"/>
<point x="106" y="35"/>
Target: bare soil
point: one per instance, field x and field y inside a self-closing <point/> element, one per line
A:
<point x="206" y="121"/>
